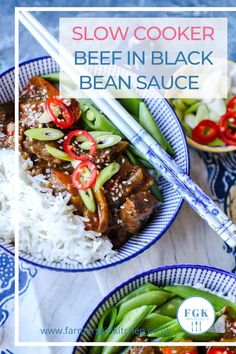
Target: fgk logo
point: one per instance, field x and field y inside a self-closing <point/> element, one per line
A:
<point x="196" y="315"/>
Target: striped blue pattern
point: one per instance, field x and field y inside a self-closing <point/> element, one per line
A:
<point x="166" y="213"/>
<point x="211" y="279"/>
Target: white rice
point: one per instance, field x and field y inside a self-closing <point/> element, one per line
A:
<point x="49" y="230"/>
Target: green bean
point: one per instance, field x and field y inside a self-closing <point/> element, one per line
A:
<point x="170" y="307"/>
<point x="168" y="329"/>
<point x="154" y="321"/>
<point x="150" y="298"/>
<point x="106" y="174"/>
<point x="187" y="291"/>
<point x="104" y="328"/>
<point x="147" y="121"/>
<point x="95" y="119"/>
<point x="126" y="329"/>
<point x="139" y="291"/>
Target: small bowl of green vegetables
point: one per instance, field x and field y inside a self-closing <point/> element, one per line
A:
<point x="210" y="124"/>
<point x="144" y="309"/>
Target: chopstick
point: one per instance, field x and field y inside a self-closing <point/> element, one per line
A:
<point x="159" y="159"/>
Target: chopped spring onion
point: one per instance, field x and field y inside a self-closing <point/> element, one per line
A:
<point x="106" y="174"/>
<point x="95" y="134"/>
<point x="88" y="199"/>
<point x="44" y="134"/>
<point x="103" y="141"/>
<point x="59" y="154"/>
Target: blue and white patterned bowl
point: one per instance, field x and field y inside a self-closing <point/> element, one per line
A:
<point x="212" y="279"/>
<point x="166" y="214"/>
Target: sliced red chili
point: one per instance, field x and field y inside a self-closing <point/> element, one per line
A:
<point x="64" y="120"/>
<point x="232" y="104"/>
<point x="71" y="149"/>
<point x="80" y="171"/>
<point x="205" y="132"/>
<point x="179" y="350"/>
<point x="227" y="126"/>
<point x="220" y="350"/>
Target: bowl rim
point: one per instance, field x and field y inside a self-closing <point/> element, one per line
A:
<point x="135" y="254"/>
<point x="148" y="272"/>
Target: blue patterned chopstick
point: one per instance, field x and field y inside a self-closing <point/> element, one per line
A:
<point x="169" y="169"/>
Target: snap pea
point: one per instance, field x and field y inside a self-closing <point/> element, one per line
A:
<point x="186" y="291"/>
<point x="131" y="105"/>
<point x="187" y="129"/>
<point x="147" y="121"/>
<point x="44" y="134"/>
<point x="140" y="290"/>
<point x="154" y="321"/>
<point x="106" y="174"/>
<point x="102" y="142"/>
<point x="181" y="336"/>
<point x="204" y="337"/>
<point x="179" y="113"/>
<point x="178" y="103"/>
<point x="193" y="108"/>
<point x="59" y="154"/>
<point x="140" y="158"/>
<point x="131" y="157"/>
<point x="95" y="134"/>
<point x="104" y="328"/>
<point x="95" y="119"/>
<point x="163" y="339"/>
<point x="189" y="101"/>
<point x="126" y="329"/>
<point x="88" y="199"/>
<point x="51" y="77"/>
<point x="156" y="192"/>
<point x="168" y="329"/>
<point x="155" y="297"/>
<point x="170" y="307"/>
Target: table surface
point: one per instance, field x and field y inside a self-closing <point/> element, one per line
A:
<point x="57" y="300"/>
